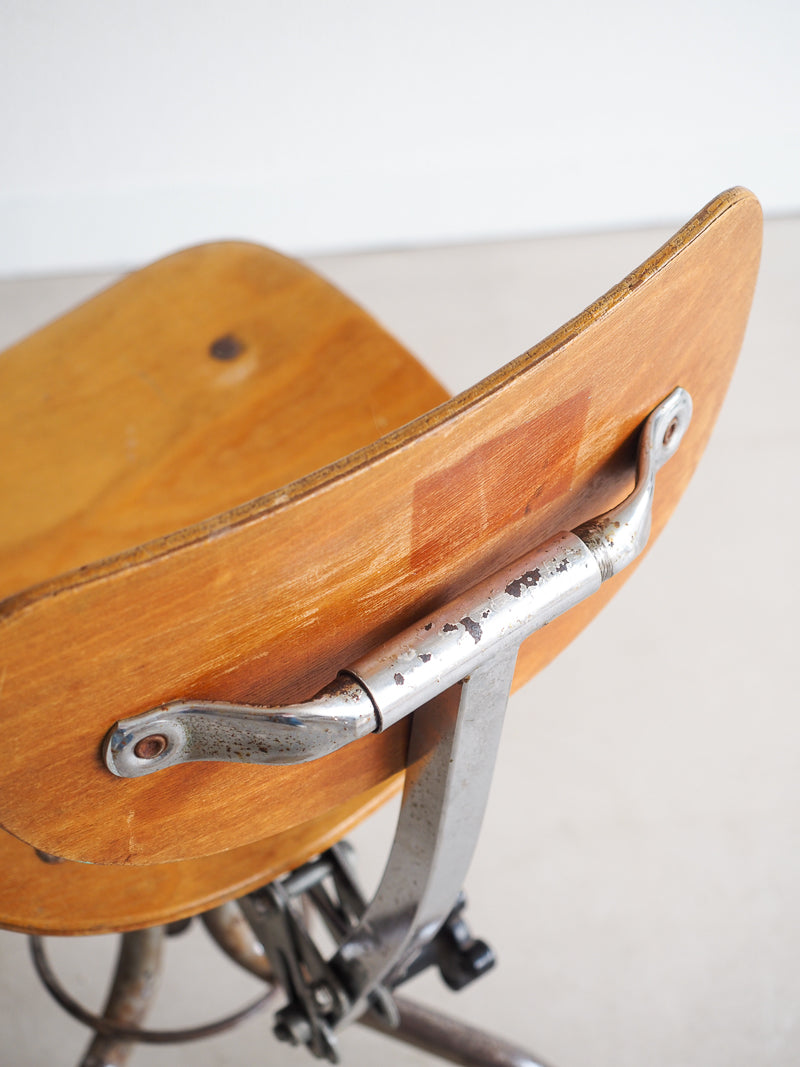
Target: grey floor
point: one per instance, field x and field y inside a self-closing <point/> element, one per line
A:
<point x="639" y="870"/>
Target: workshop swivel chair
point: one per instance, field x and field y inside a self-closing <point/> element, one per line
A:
<point x="259" y="572"/>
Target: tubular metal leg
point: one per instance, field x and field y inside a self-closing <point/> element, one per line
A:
<point x="132" y="991"/>
<point x="234" y="935"/>
<point x="450" y="1039"/>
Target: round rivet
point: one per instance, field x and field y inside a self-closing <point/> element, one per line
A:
<point x="669" y="433"/>
<point x="150" y="747"/>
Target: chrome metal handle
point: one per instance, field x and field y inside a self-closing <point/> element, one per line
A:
<point x="444" y="648"/>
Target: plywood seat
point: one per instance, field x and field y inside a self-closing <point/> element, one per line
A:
<point x="224" y="481"/>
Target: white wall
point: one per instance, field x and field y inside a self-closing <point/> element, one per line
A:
<point x="127" y="129"/>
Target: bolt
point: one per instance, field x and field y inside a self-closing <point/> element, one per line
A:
<point x="150" y="747"/>
<point x="324" y="997"/>
<point x="292" y="1026"/>
<point x="669" y="433"/>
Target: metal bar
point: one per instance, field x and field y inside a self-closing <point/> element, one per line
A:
<point x="449" y="1038"/>
<point x="132" y="991"/>
<point x="234" y="935"/>
<point x="185" y="732"/>
<point x="506" y="608"/>
<point x="110" y="1028"/>
<point x="452" y="750"/>
<point x="298" y="967"/>
<point x="424" y="660"/>
<point x="491" y="618"/>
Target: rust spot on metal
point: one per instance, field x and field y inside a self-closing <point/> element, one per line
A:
<point x="150" y="747"/>
<point x="472" y="628"/>
<point x="448" y="628"/>
<point x="399" y="679"/>
<point x="425" y="657"/>
<point x="226" y="348"/>
<point x="428" y="625"/>
<point x="528" y="579"/>
<point x="562" y="567"/>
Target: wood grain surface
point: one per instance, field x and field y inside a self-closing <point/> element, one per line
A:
<point x="266" y="601"/>
<point x="39" y="897"/>
<point x="192" y="386"/>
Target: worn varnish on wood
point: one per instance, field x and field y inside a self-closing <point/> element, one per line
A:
<point x="137" y="432"/>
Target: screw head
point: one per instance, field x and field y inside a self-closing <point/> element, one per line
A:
<point x="324" y="997"/>
<point x="150" y="747"/>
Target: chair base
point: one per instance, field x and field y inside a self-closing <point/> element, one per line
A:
<point x="134" y="984"/>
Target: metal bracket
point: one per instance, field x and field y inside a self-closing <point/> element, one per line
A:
<point x="328" y="891"/>
<point x="458" y="663"/>
<point x="313" y="990"/>
<point x="423" y="661"/>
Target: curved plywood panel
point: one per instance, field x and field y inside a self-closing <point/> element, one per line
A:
<point x="266" y="601"/>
